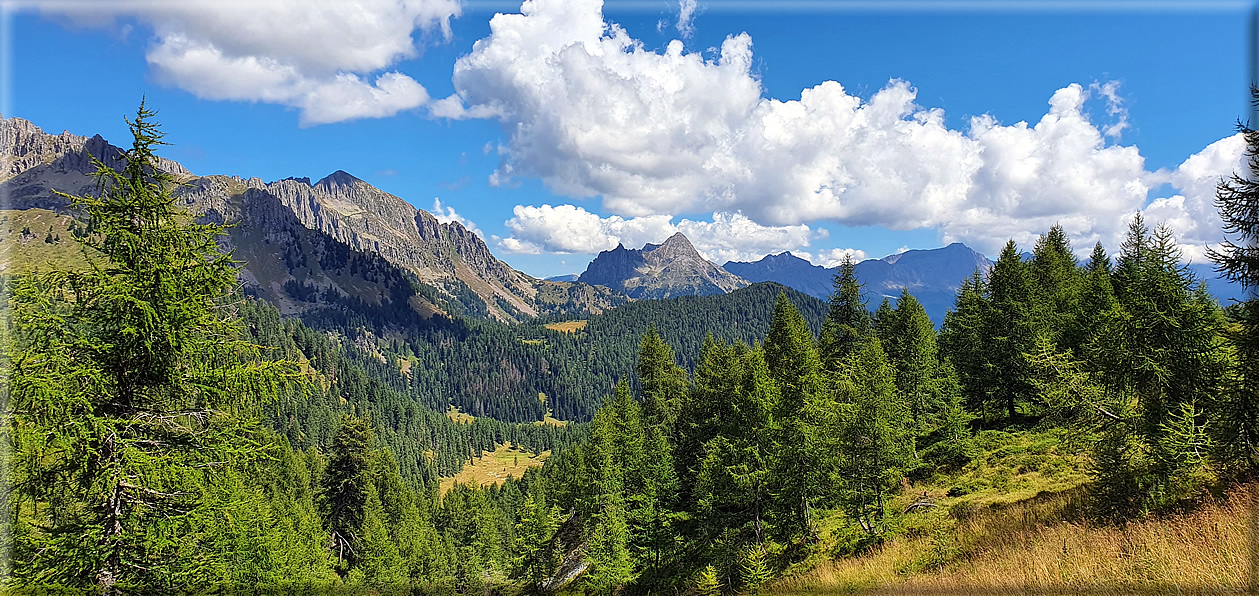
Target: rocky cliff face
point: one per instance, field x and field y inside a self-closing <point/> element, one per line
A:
<point x="446" y="256"/>
<point x="672" y="268"/>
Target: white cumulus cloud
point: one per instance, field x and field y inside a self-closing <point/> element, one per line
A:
<point x="1191" y="213"/>
<point x="572" y="229"/>
<point x="592" y="113"/>
<point x="324" y="57"/>
<point x="446" y="214"/>
<point x="833" y="257"/>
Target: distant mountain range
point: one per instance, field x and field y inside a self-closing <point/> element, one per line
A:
<point x="341" y="241"/>
<point x="932" y="276"/>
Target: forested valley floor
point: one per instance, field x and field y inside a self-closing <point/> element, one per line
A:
<point x="1070" y="427"/>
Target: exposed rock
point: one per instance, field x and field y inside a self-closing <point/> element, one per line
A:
<point x="672" y="268"/>
<point x="346" y="209"/>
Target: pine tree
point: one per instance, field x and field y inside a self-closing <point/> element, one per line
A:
<point x="754" y="569"/>
<point x="915" y="358"/>
<point x="1237" y="259"/>
<point x="876" y="441"/>
<point x="534" y="531"/>
<point x="345" y="487"/>
<point x="131" y="386"/>
<point x="706" y="583"/>
<point x="961" y="341"/>
<point x="794" y="366"/>
<point x="1055" y="280"/>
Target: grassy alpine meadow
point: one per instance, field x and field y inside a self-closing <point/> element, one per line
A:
<point x="496" y="467"/>
<point x="1027" y="548"/>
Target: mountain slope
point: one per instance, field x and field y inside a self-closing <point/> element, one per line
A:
<point x="672" y="268"/>
<point x="446" y="256"/>
<point x="933" y="276"/>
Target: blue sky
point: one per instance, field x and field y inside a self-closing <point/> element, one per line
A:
<point x="559" y="136"/>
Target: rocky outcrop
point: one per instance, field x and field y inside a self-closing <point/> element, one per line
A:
<point x="672" y="268"/>
<point x="446" y="256"/>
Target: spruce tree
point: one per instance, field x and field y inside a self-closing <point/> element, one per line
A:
<point x="915" y="359"/>
<point x="1007" y="331"/>
<point x="663" y="382"/>
<point x="876" y="440"/>
<point x="961" y="341"/>
<point x="793" y="364"/>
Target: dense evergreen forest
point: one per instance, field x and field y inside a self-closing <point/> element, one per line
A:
<point x="163" y="433"/>
<point x="491" y="369"/>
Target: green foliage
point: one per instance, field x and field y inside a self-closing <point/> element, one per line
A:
<point x="1237" y="259"/>
<point x="707" y="583"/>
<point x="131" y="389"/>
<point x="876" y="442"/>
<point x="848" y="322"/>
<point x="754" y="569"/>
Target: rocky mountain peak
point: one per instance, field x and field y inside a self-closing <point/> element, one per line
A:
<point x="676" y="246"/>
<point x="671" y="268"/>
<point x="338" y="178"/>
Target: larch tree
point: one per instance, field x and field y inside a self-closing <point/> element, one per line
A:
<point x="131" y="386"/>
<point x="1237" y="259"/>
<point x="848" y="321"/>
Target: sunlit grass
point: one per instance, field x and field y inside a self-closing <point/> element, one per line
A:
<point x="495" y="467"/>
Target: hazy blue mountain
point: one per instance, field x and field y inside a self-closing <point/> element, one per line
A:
<point x="788" y="270"/>
<point x="565" y="277"/>
<point x="932" y="276"/>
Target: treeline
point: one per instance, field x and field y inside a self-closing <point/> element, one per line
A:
<point x="140" y="393"/>
<point x="718" y="480"/>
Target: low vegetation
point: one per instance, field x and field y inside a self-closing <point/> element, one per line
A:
<point x="496" y="467"/>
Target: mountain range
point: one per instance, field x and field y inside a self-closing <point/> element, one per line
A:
<point x="290" y="233"/>
<point x="341" y="241"/>
<point x="666" y="270"/>
<point x="932" y="276"/>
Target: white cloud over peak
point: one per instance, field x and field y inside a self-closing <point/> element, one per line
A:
<point x="592" y="113"/>
<point x="446" y="214"/>
<point x="572" y="229"/>
<point x="833" y="257"/>
<point x="323" y="57"/>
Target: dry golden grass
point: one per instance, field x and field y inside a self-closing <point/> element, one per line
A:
<point x="1207" y="551"/>
<point x="567" y="326"/>
<point x="459" y="417"/>
<point x="548" y="419"/>
<point x="495" y="467"/>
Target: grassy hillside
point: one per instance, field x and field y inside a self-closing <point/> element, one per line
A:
<point x="38" y="238"/>
<point x="496" y="467"/>
<point x="1038" y="547"/>
<point x="1015" y="521"/>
